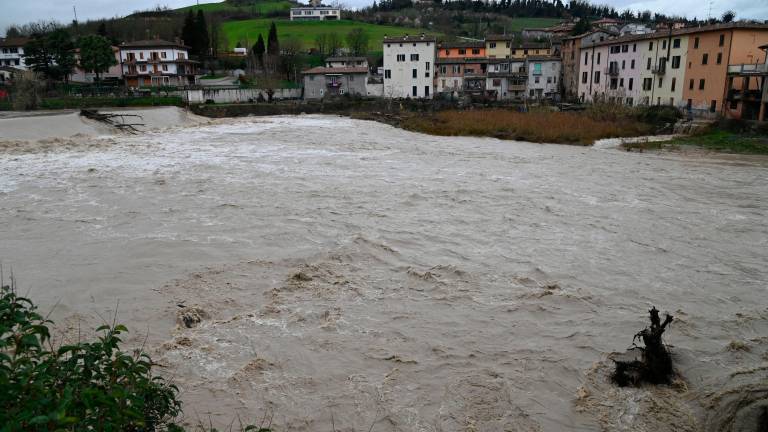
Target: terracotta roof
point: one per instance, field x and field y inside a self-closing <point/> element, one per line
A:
<point x="475" y="44"/>
<point x="680" y="32"/>
<point x="341" y="70"/>
<point x="471" y="60"/>
<point x="13" y="42"/>
<point x="410" y="38"/>
<point x="149" y="43"/>
<point x="342" y="58"/>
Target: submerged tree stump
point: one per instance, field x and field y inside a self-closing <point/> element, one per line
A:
<point x="651" y="363"/>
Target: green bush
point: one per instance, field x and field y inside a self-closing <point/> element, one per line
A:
<point x="83" y="386"/>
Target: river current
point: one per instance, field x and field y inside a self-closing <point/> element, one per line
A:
<point x="351" y="276"/>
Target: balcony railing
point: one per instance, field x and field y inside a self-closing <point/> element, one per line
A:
<point x="612" y="71"/>
<point x="748" y="69"/>
<point x="659" y="70"/>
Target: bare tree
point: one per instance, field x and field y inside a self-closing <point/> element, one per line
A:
<point x="334" y="43"/>
<point x="321" y="43"/>
<point x="357" y="42"/>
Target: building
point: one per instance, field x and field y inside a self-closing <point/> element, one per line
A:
<point x="524" y="49"/>
<point x="334" y="62"/>
<point x="457" y="76"/>
<point x="12" y="52"/>
<point x="570" y="54"/>
<point x="711" y="49"/>
<point x="114" y="72"/>
<point x="543" y="78"/>
<point x="747" y="90"/>
<point x="560" y="30"/>
<point x="315" y="13"/>
<point x="321" y="81"/>
<point x="507" y="79"/>
<point x="461" y="50"/>
<point x="611" y="70"/>
<point x="157" y="63"/>
<point x="498" y="46"/>
<point x="408" y="66"/>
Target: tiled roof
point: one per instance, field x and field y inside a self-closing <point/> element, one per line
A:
<point x="342" y="70"/>
<point x="472" y="44"/>
<point x="471" y="60"/>
<point x="149" y="43"/>
<point x="345" y="59"/>
<point x="409" y="38"/>
<point x="682" y="31"/>
<point x="13" y="42"/>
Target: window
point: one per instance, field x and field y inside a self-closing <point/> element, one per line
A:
<point x="443" y="70"/>
<point x="475" y="51"/>
<point x="427" y="66"/>
<point x="492" y="45"/>
<point x="401" y="57"/>
<point x="701" y="84"/>
<point x="415" y="73"/>
<point x="311" y="77"/>
<point x="141" y="55"/>
<point x="414" y="57"/>
<point x="536" y="80"/>
<point x="704" y="58"/>
<point x="165" y="68"/>
<point x="625" y="48"/>
<point x="631" y="82"/>
<point x="676" y="43"/>
<point x="447" y="52"/>
<point x="181" y="56"/>
<point x="634" y="49"/>
<point x="426" y="91"/>
<point x="661" y="81"/>
<point x="675" y="62"/>
<point x="163" y="54"/>
<point x="621" y="83"/>
<point x="629" y="101"/>
<point x="632" y="64"/>
<point x="722" y="40"/>
<point x="614" y="83"/>
<point x="584" y="77"/>
<point x="690" y="84"/>
<point x="664" y="44"/>
<point x="647" y="83"/>
<point x="623" y="64"/>
<point x="648" y="67"/>
<point x="586" y="57"/>
<point x="387" y="74"/>
<point x="456" y="69"/>
<point x="719" y="58"/>
<point x="696" y="43"/>
<point x="549" y="80"/>
<point x="598" y="58"/>
<point x="143" y="68"/>
<point x="413" y="91"/>
<point x="674" y="81"/>
<point x="713" y="105"/>
<point x="597" y="77"/>
<point x="650" y="46"/>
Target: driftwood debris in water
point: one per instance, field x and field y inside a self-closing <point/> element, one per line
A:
<point x="112" y="120"/>
<point x="652" y="363"/>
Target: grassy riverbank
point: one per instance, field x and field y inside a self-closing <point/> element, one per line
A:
<point x="715" y="140"/>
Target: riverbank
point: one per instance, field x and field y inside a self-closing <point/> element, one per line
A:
<point x="714" y="140"/>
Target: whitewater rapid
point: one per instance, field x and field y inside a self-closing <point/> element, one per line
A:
<point x="356" y="274"/>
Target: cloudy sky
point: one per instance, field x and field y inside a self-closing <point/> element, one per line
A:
<point x="22" y="11"/>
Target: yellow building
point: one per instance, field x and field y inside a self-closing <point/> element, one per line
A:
<point x="498" y="46"/>
<point x="525" y="49"/>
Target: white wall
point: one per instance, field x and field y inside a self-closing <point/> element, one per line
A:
<point x="145" y="54"/>
<point x="10" y="58"/>
<point x="400" y="82"/>
<point x="236" y="95"/>
<point x="548" y="80"/>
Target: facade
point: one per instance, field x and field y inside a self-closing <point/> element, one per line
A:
<point x="456" y="76"/>
<point x="83" y="76"/>
<point x="12" y="52"/>
<point x="315" y="13"/>
<point x="571" y="60"/>
<point x="498" y="46"/>
<point x="461" y="50"/>
<point x="747" y="90"/>
<point x="335" y="62"/>
<point x="543" y="78"/>
<point x="320" y="82"/>
<point x="157" y="63"/>
<point x="409" y="66"/>
<point x="508" y="79"/>
<point x="525" y="49"/>
<point x="663" y="68"/>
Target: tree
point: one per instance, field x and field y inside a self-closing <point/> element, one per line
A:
<point x="102" y="30"/>
<point x="291" y="59"/>
<point x="258" y="51"/>
<point x="357" y="42"/>
<point x="188" y="33"/>
<point x="201" y="30"/>
<point x="273" y="45"/>
<point x="12" y="32"/>
<point x="581" y="27"/>
<point x="334" y="43"/>
<point x="96" y="54"/>
<point x="321" y="43"/>
<point x="729" y="16"/>
<point x="51" y="54"/>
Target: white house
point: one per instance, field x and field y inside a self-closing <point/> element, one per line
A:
<point x="335" y="62"/>
<point x="157" y="63"/>
<point x="544" y="77"/>
<point x="409" y="63"/>
<point x="315" y="13"/>
<point x="12" y="52"/>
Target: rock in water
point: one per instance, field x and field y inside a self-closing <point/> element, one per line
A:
<point x="652" y="363"/>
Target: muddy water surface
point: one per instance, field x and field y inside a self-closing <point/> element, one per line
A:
<point x="351" y="274"/>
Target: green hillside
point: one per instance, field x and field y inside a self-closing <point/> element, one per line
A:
<point x="248" y="31"/>
<point x="518" y="24"/>
<point x="257" y="6"/>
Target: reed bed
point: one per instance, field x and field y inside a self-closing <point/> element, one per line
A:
<point x="578" y="128"/>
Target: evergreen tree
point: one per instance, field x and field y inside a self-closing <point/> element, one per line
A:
<point x="96" y="54"/>
<point x="258" y="51"/>
<point x="52" y="54"/>
<point x="102" y="30"/>
<point x="273" y="45"/>
<point x="201" y="30"/>
<point x="188" y="33"/>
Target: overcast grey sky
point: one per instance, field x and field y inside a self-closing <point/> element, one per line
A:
<point x="23" y="11"/>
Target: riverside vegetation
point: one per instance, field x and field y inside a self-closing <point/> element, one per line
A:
<point x="725" y="136"/>
<point x="80" y="386"/>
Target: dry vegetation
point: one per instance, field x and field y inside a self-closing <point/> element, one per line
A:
<point x="581" y="128"/>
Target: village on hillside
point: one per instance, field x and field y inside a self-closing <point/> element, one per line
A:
<point x="706" y="69"/>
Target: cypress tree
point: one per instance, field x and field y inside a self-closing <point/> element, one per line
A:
<point x="258" y="50"/>
<point x="273" y="45"/>
<point x="188" y="32"/>
<point x="201" y="29"/>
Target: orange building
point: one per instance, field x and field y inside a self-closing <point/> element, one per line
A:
<point x="462" y="50"/>
<point x="747" y="90"/>
<point x="711" y="50"/>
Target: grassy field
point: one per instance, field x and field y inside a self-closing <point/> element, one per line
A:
<point x="248" y="31"/>
<point x="518" y="24"/>
<point x="260" y="6"/>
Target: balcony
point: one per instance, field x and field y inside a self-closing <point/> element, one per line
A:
<point x="748" y="69"/>
<point x="612" y="71"/>
<point x="659" y="70"/>
<point x="749" y="95"/>
<point x="333" y="84"/>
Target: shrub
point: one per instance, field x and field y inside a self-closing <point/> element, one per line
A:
<point x="83" y="386"/>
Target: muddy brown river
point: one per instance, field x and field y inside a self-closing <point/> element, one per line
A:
<point x="351" y="276"/>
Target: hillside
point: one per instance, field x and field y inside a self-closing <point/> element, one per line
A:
<point x="256" y="7"/>
<point x="247" y="31"/>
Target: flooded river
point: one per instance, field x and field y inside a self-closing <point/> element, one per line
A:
<point x="350" y="275"/>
